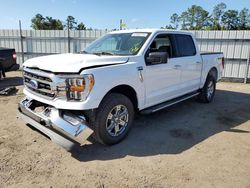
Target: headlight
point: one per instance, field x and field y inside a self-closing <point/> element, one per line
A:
<point x="78" y="88"/>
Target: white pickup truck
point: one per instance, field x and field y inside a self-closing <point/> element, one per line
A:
<point x="70" y="97"/>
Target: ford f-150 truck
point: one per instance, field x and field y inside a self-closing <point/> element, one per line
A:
<point x="70" y="97"/>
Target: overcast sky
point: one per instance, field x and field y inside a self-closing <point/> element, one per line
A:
<point x="102" y="14"/>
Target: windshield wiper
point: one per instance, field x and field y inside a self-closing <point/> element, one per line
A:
<point x="104" y="53"/>
<point x="97" y="53"/>
<point x="84" y="52"/>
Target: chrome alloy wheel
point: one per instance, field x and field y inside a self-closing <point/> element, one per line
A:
<point x="210" y="89"/>
<point x="117" y="120"/>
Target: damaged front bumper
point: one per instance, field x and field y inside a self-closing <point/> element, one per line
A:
<point x="62" y="126"/>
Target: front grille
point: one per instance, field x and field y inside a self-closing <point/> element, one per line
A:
<point x="44" y="84"/>
<point x="32" y="75"/>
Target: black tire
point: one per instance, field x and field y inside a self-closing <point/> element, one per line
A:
<point x="2" y="72"/>
<point x="208" y="90"/>
<point x="101" y="120"/>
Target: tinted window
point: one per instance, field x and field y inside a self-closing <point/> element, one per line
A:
<point x="185" y="45"/>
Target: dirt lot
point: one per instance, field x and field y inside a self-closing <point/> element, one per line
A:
<point x="190" y="144"/>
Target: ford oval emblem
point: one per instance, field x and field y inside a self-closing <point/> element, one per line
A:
<point x="33" y="84"/>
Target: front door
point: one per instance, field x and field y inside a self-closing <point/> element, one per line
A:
<point x="162" y="80"/>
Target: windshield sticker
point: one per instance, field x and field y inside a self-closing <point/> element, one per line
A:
<point x="139" y="35"/>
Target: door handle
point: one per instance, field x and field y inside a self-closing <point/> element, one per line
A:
<point x="198" y="62"/>
<point x="177" y="66"/>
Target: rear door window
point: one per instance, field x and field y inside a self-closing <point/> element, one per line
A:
<point x="185" y="45"/>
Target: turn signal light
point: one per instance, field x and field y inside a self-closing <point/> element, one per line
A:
<point x="77" y="88"/>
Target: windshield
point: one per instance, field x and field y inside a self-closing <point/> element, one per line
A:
<point x="118" y="44"/>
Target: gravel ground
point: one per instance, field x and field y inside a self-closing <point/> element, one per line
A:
<point x="187" y="145"/>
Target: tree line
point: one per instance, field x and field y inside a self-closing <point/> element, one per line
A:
<point x="194" y="18"/>
<point x="221" y="18"/>
<point x="39" y="22"/>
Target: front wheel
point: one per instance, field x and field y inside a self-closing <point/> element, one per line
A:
<point x="208" y="90"/>
<point x="113" y="119"/>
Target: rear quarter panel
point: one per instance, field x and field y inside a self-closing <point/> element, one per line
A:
<point x="211" y="61"/>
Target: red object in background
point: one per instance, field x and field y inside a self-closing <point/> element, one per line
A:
<point x="14" y="55"/>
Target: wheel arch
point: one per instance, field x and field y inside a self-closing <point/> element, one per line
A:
<point x="213" y="72"/>
<point x="126" y="90"/>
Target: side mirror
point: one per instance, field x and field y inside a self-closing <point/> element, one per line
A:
<point x="157" y="58"/>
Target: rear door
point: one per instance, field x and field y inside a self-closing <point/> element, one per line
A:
<point x="190" y="62"/>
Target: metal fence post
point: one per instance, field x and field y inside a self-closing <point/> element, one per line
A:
<point x="21" y="37"/>
<point x="68" y="38"/>
<point x="247" y="68"/>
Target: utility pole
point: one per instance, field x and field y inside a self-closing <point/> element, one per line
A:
<point x="68" y="37"/>
<point x="21" y="37"/>
<point x="247" y="68"/>
<point x="120" y="24"/>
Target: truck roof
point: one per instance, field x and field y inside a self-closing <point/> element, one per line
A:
<point x="2" y="48"/>
<point x="151" y="31"/>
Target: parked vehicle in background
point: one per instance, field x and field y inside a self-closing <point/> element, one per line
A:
<point x="8" y="60"/>
<point x="125" y="72"/>
<point x="2" y="73"/>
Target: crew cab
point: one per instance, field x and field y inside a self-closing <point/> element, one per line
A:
<point x="70" y="97"/>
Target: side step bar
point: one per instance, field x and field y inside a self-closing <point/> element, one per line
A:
<point x="168" y="103"/>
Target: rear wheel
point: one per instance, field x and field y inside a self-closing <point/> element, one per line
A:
<point x="208" y="90"/>
<point x="113" y="119"/>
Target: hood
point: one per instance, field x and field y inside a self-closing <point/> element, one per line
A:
<point x="72" y="63"/>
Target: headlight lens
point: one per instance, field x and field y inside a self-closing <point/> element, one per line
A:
<point x="78" y="88"/>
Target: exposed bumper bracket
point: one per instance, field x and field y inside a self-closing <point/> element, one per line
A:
<point x="63" y="128"/>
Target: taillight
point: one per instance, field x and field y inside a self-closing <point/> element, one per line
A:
<point x="14" y="55"/>
<point x="223" y="62"/>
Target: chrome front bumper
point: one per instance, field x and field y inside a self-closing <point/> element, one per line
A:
<point x="63" y="127"/>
